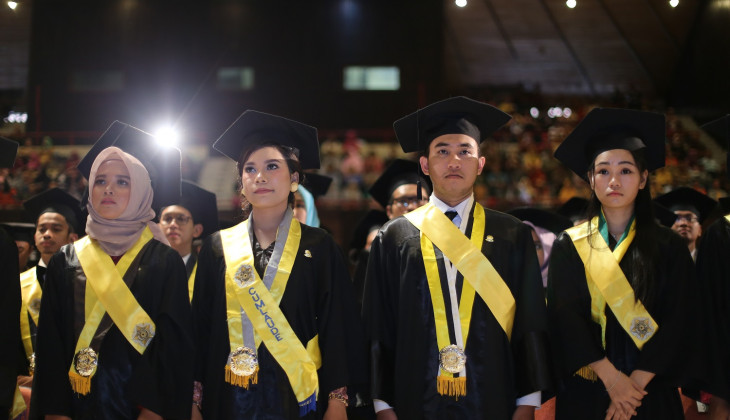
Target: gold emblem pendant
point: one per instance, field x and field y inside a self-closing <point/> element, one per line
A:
<point x="85" y="361"/>
<point x="143" y="333"/>
<point x="641" y="328"/>
<point x="452" y="359"/>
<point x="244" y="275"/>
<point x="243" y="361"/>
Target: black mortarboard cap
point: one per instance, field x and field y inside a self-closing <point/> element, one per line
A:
<point x="161" y="161"/>
<point x="720" y="130"/>
<point x="373" y="219"/>
<point x="399" y="172"/>
<point x="542" y="218"/>
<point x="202" y="205"/>
<point x="20" y="231"/>
<point x="254" y="127"/>
<point x="612" y="128"/>
<point x="574" y="209"/>
<point x="317" y="184"/>
<point x="457" y="115"/>
<point x="58" y="201"/>
<point x="687" y="199"/>
<point x="663" y="215"/>
<point x="8" y="151"/>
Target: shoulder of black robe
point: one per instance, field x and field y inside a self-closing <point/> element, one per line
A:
<point x="577" y="339"/>
<point x="398" y="314"/>
<point x="10" y="324"/>
<point x="713" y="273"/>
<point x="318" y="301"/>
<point x="159" y="380"/>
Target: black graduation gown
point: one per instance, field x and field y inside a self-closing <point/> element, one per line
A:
<point x="318" y="300"/>
<point x="398" y="314"/>
<point x="190" y="265"/>
<point x="577" y="339"/>
<point x="160" y="380"/>
<point x="713" y="273"/>
<point x="10" y="322"/>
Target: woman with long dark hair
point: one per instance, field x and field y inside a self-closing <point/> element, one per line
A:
<point x="273" y="302"/>
<point x="617" y="284"/>
<point x="115" y="329"/>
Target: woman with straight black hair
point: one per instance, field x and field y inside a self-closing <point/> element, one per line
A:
<point x="618" y="284"/>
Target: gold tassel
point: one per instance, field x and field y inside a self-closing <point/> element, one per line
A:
<point x="453" y="387"/>
<point x="241" y="381"/>
<point x="587" y="373"/>
<point x="80" y="384"/>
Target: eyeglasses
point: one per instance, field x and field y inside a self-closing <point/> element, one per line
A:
<point x="180" y="219"/>
<point x="408" y="201"/>
<point x="689" y="218"/>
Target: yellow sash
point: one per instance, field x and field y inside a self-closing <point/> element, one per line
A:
<point x="608" y="284"/>
<point x="245" y="291"/>
<point x="18" y="404"/>
<point x="31" y="293"/>
<point x="191" y="281"/>
<point x="106" y="292"/>
<point x="480" y="276"/>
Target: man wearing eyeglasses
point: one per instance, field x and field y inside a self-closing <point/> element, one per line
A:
<point x="193" y="218"/>
<point x="691" y="208"/>
<point x="397" y="188"/>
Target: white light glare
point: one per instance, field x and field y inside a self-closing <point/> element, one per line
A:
<point x="12" y="4"/>
<point x="567" y="112"/>
<point x="16" y="117"/>
<point x="460" y="3"/>
<point x="571" y="3"/>
<point x="674" y="3"/>
<point x="167" y="136"/>
<point x="534" y="112"/>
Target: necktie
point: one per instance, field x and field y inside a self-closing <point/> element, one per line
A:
<point x="453" y="216"/>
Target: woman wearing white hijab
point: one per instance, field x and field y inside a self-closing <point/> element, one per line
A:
<point x="114" y="336"/>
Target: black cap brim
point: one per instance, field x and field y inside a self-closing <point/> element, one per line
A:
<point x="687" y="199"/>
<point x="202" y="205"/>
<point x="612" y="128"/>
<point x="457" y="115"/>
<point x="317" y="184"/>
<point x="663" y="215"/>
<point x="58" y="201"/>
<point x="542" y="218"/>
<point x="24" y="232"/>
<point x="373" y="219"/>
<point x="399" y="172"/>
<point x="574" y="209"/>
<point x="162" y="162"/>
<point x="8" y="152"/>
<point x="254" y="127"/>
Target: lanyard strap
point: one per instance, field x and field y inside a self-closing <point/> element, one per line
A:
<point x="31" y="294"/>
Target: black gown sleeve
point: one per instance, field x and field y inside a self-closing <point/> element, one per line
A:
<point x="10" y="325"/>
<point x="576" y="338"/>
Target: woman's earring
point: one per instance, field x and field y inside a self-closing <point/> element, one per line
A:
<point x="294" y="187"/>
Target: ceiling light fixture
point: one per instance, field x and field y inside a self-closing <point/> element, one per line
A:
<point x="673" y="3"/>
<point x="571" y="3"/>
<point x="12" y="4"/>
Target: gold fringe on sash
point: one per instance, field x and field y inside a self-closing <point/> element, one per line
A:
<point x="450" y="386"/>
<point x="242" y="381"/>
<point x="587" y="373"/>
<point x="80" y="384"/>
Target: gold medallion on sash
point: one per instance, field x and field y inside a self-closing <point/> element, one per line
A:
<point x="243" y="362"/>
<point x="85" y="361"/>
<point x="452" y="358"/>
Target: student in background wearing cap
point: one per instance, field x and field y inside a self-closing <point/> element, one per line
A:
<point x="396" y="190"/>
<point x="713" y="273"/>
<point x="691" y="208"/>
<point x="195" y="216"/>
<point x="275" y="315"/>
<point x="304" y="209"/>
<point x="423" y="300"/>
<point x="11" y="401"/>
<point x="56" y="215"/>
<point x="574" y="209"/>
<point x="114" y="335"/>
<point x="619" y="331"/>
<point x="23" y="235"/>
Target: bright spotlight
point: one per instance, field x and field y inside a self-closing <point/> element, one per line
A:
<point x="534" y="112"/>
<point x="567" y="112"/>
<point x="12" y="4"/>
<point x="571" y="3"/>
<point x="460" y="3"/>
<point x="674" y="3"/>
<point x="167" y="136"/>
